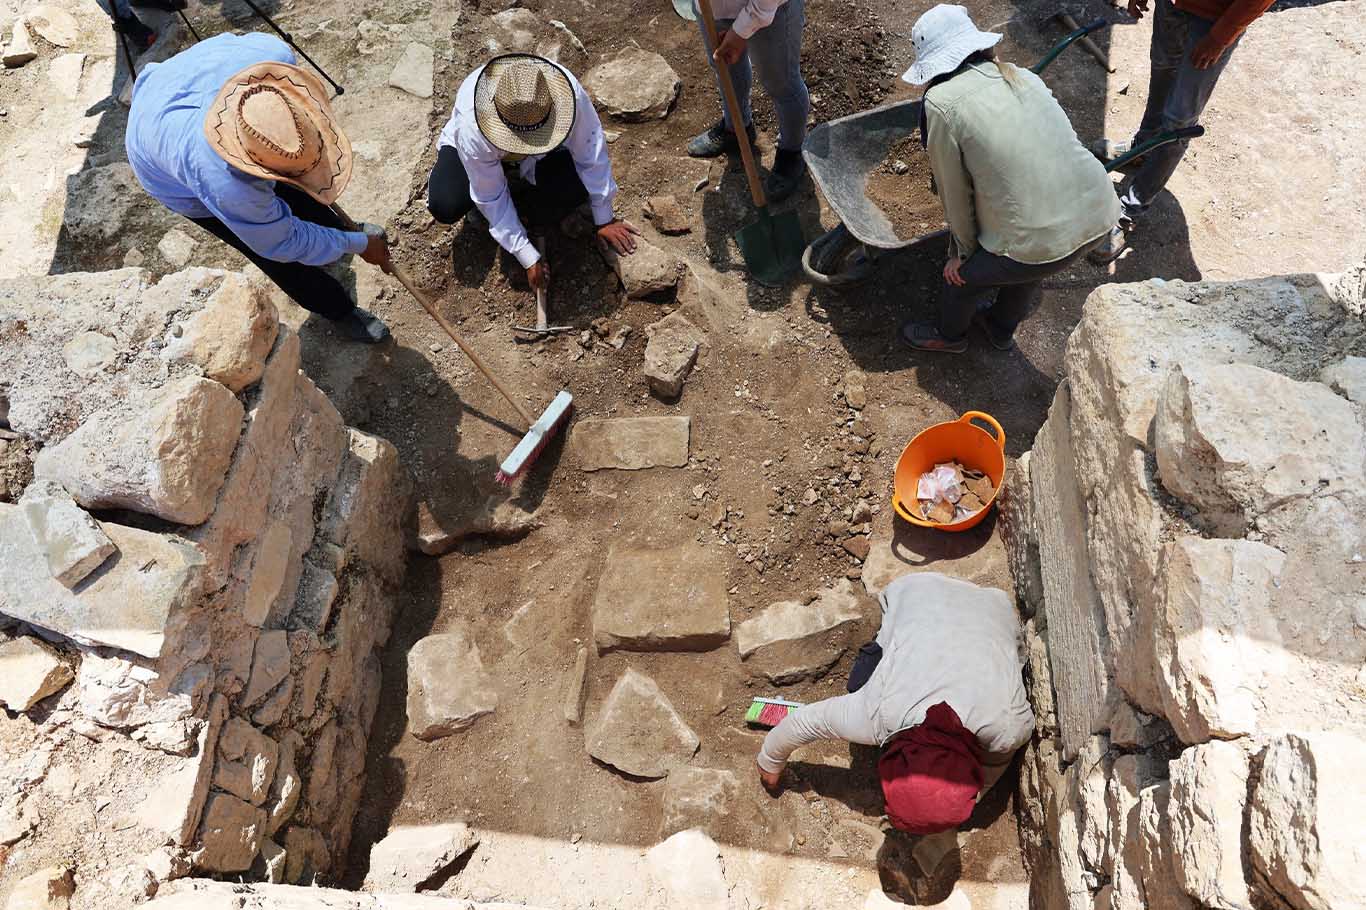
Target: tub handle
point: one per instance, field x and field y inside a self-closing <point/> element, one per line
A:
<point x="970" y="416"/>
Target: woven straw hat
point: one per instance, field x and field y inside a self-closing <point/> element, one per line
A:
<point x="943" y="38"/>
<point x="524" y="104"/>
<point x="272" y="120"/>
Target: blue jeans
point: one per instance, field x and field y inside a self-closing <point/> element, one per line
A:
<point x="1177" y="94"/>
<point x="776" y="51"/>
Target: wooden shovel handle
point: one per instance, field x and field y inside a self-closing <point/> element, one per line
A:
<point x="430" y="307"/>
<point x="756" y="187"/>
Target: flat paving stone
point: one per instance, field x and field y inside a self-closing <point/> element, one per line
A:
<point x="661" y="600"/>
<point x="790" y="640"/>
<point x="631" y="443"/>
<point x="638" y="732"/>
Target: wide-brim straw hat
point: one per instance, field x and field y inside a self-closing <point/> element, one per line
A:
<point x="943" y="38"/>
<point x="272" y="120"/>
<point x="524" y="104"/>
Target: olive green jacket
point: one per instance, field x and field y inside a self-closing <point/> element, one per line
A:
<point x="1012" y="175"/>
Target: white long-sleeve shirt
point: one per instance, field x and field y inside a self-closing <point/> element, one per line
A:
<point x="943" y="640"/>
<point x="489" y="186"/>
<point x="749" y="15"/>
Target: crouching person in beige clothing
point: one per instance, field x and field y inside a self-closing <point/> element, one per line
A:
<point x="941" y="691"/>
<point x="1022" y="196"/>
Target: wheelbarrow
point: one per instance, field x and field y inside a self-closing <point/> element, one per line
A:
<point x="842" y="153"/>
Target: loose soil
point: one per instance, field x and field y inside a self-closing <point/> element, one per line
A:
<point x="900" y="187"/>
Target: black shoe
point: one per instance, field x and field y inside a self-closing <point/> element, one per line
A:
<point x="718" y="141"/>
<point x="788" y="170"/>
<point x="997" y="340"/>
<point x="132" y="28"/>
<point x="363" y="326"/>
<point x="169" y="6"/>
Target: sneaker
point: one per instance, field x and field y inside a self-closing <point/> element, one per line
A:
<point x="363" y="326"/>
<point x="718" y="141"/>
<point x="132" y="28"/>
<point x="925" y="337"/>
<point x="998" y="341"/>
<point x="788" y="169"/>
<point x="1110" y="246"/>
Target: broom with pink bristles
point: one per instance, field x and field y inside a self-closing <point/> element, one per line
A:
<point x="539" y="431"/>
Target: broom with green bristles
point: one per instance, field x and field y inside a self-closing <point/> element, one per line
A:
<point x="769" y="712"/>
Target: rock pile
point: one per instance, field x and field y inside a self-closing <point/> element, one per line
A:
<point x="1186" y="537"/>
<point x="202" y="648"/>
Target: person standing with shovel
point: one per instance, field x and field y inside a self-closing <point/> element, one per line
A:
<point x="523" y="111"/>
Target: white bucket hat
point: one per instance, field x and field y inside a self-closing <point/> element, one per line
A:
<point x="943" y="38"/>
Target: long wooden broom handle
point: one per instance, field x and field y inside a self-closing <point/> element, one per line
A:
<point x="430" y="307"/>
<point x="756" y="187"/>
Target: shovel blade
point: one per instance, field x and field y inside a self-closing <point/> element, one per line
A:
<point x="772" y="246"/>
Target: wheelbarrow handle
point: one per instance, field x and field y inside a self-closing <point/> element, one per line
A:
<point x="1065" y="43"/>
<point x="1143" y="148"/>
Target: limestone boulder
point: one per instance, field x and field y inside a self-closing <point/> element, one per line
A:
<point x="165" y="454"/>
<point x="648" y="272"/>
<point x="1157" y="862"/>
<point x="1208" y="799"/>
<point x="698" y="798"/>
<point x="54" y="24"/>
<point x="307" y="857"/>
<point x="410" y="855"/>
<point x="73" y="542"/>
<point x="1306" y="815"/>
<point x="1347" y="377"/>
<point x="667" y="215"/>
<point x="247" y="760"/>
<point x="687" y="867"/>
<point x="414" y="71"/>
<point x="176" y="247"/>
<point x="635" y="85"/>
<point x="638" y="732"/>
<point x="270" y="864"/>
<point x="230" y="835"/>
<point x="448" y="688"/>
<point x="20" y="48"/>
<point x="269" y="666"/>
<point x="1216" y="637"/>
<point x="658" y="600"/>
<point x="670" y="353"/>
<point x="790" y="640"/>
<point x="1246" y="446"/>
<point x="50" y="888"/>
<point x="172" y="802"/>
<point x="30" y="671"/>
<point x="232" y="335"/>
<point x="631" y="443"/>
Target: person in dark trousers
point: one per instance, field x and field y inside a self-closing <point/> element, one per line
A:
<point x="235" y="137"/>
<point x="1192" y="43"/>
<point x="1018" y="211"/>
<point x="768" y="35"/>
<point x="525" y="112"/>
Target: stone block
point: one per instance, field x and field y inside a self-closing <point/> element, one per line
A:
<point x="635" y="85"/>
<point x="1246" y="446"/>
<point x="414" y="71"/>
<point x="20" y="48"/>
<point x="269" y="666"/>
<point x="72" y="541"/>
<point x="647" y="272"/>
<point x="631" y="443"/>
<point x="670" y="353"/>
<point x="230" y="835"/>
<point x="410" y="855"/>
<point x="176" y="247"/>
<point x="173" y="803"/>
<point x="688" y="867"/>
<point x="638" y="732"/>
<point x="54" y="24"/>
<point x="270" y="863"/>
<point x="30" y="671"/>
<point x="698" y="798"/>
<point x="1216" y="637"/>
<point x="50" y="888"/>
<point x="790" y="640"/>
<point x="1161" y="888"/>
<point x="287" y="786"/>
<point x="308" y="857"/>
<point x="667" y="215"/>
<point x="448" y="688"/>
<point x="1016" y="510"/>
<point x="64" y="74"/>
<point x="573" y="690"/>
<point x="1208" y="798"/>
<point x="232" y="335"/>
<point x="660" y="600"/>
<point x="1305" y="830"/>
<point x="1347" y="377"/>
<point x="247" y="760"/>
<point x="165" y="454"/>
<point x="127" y="603"/>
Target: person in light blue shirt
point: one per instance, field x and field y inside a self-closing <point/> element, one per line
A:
<point x="235" y="137"/>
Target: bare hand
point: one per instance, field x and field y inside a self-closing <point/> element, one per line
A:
<point x="951" y="273"/>
<point x="731" y="48"/>
<point x="377" y="251"/>
<point x="1206" y="53"/>
<point x="772" y="781"/>
<point x="620" y="236"/>
<point x="538" y="276"/>
<point x="1137" y="8"/>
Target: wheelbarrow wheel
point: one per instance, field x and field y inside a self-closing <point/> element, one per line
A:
<point x="837" y="259"/>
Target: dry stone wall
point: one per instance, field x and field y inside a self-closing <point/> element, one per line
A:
<point x="1188" y="538"/>
<point x="193" y="589"/>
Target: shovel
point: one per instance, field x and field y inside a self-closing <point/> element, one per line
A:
<point x="771" y="246"/>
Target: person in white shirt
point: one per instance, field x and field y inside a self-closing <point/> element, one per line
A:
<point x="769" y="33"/>
<point x="524" y="110"/>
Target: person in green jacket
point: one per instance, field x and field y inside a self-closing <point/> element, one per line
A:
<point x="1022" y="196"/>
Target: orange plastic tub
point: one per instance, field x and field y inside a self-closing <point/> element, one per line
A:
<point x="958" y="440"/>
